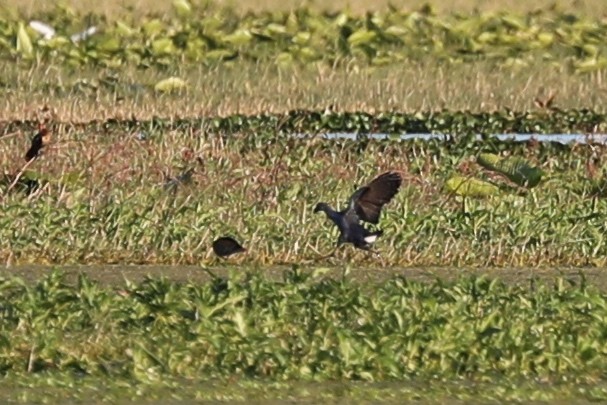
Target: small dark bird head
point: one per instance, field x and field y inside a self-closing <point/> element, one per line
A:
<point x="321" y="207"/>
<point x="226" y="246"/>
<point x="43" y="131"/>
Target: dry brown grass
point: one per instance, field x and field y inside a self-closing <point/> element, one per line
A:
<point x="252" y="89"/>
<point x="116" y="209"/>
<point x="114" y="7"/>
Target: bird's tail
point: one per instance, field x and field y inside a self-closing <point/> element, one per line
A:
<point x="371" y="237"/>
<point x="30" y="155"/>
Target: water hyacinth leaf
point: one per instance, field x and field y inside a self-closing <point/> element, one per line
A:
<point x="274" y="28"/>
<point x="301" y="38"/>
<point x="470" y="187"/>
<point x="173" y="330"/>
<point x="171" y="84"/>
<point x="510" y="39"/>
<point x="239" y="37"/>
<point x="515" y="168"/>
<point x="163" y="46"/>
<point x="153" y="27"/>
<point x="24" y="43"/>
<point x="123" y="30"/>
<point x="284" y="59"/>
<point x="57" y="42"/>
<point x="361" y="37"/>
<point x="240" y="323"/>
<point x="182" y="8"/>
<point x="308" y="54"/>
<point x="109" y="44"/>
<point x="219" y="55"/>
<point x="591" y="64"/>
<point x="545" y="38"/>
<point x="341" y="20"/>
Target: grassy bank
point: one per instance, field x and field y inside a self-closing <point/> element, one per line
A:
<point x="103" y="93"/>
<point x="113" y="194"/>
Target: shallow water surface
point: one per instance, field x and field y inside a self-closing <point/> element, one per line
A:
<point x="542" y="138"/>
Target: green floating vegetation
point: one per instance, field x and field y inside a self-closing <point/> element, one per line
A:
<point x="210" y="34"/>
<point x="306" y="327"/>
<point x="515" y="168"/>
<point x="471" y="187"/>
<point x="308" y="122"/>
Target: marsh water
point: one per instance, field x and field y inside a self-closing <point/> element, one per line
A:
<point x="564" y="139"/>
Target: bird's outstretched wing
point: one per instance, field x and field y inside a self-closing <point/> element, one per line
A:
<point x="367" y="201"/>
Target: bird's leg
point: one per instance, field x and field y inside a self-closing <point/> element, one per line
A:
<point x="332" y="254"/>
<point x="370" y="252"/>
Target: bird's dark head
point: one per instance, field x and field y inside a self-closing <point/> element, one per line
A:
<point x="320" y="207"/>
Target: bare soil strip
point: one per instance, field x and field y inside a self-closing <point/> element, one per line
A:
<point x="115" y="275"/>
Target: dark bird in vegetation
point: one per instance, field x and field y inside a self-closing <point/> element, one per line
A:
<point x="171" y="183"/>
<point x="364" y="205"/>
<point x="226" y="246"/>
<point x="39" y="141"/>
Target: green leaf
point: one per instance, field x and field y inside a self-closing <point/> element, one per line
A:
<point x="470" y="187"/>
<point x="24" y="43"/>
<point x="239" y="37"/>
<point x="170" y="84"/>
<point x="516" y="169"/>
<point x="182" y="8"/>
<point x="361" y="37"/>
<point x="153" y="27"/>
<point x="163" y="46"/>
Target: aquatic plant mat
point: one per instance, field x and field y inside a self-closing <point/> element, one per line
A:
<point x="207" y="59"/>
<point x="310" y="334"/>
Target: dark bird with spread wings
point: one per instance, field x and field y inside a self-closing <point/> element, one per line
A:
<point x="364" y="205"/>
